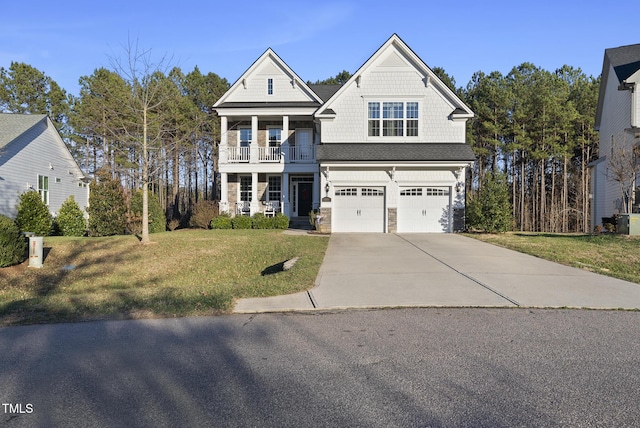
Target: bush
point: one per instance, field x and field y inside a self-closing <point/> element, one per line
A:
<point x="157" y="219"/>
<point x="203" y="213"/>
<point x="107" y="207"/>
<point x="70" y="220"/>
<point x="260" y="221"/>
<point x="33" y="214"/>
<point x="241" y="222"/>
<point x="223" y="221"/>
<point x="12" y="243"/>
<point x="490" y="209"/>
<point x="280" y="221"/>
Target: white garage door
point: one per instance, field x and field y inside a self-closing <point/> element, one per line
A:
<point x="358" y="209"/>
<point x="424" y="209"/>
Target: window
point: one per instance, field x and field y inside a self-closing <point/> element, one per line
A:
<point x="43" y="188"/>
<point x="245" y="137"/>
<point x="245" y="188"/>
<point x="270" y="86"/>
<point x="274" y="188"/>
<point x="347" y="192"/>
<point x="374" y="119"/>
<point x="275" y="137"/>
<point x="371" y="192"/>
<point x="434" y="191"/>
<point x="412" y="192"/>
<point x="398" y="119"/>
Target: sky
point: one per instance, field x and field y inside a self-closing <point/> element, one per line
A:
<point x="68" y="39"/>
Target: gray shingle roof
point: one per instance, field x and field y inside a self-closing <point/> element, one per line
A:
<point x="400" y="152"/>
<point x="625" y="60"/>
<point x="325" y="91"/>
<point x="14" y="125"/>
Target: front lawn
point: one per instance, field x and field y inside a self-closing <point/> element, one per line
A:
<point x="613" y="255"/>
<point x="183" y="273"/>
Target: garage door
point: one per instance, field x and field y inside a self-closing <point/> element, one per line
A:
<point x="358" y="209"/>
<point x="424" y="209"/>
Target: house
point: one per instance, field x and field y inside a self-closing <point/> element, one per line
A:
<point x="384" y="152"/>
<point x="618" y="122"/>
<point x="34" y="157"/>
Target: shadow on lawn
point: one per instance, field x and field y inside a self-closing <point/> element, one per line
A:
<point x="39" y="297"/>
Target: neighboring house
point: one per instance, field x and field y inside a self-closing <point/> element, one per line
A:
<point x="385" y="152"/>
<point x="618" y="122"/>
<point x="34" y="157"/>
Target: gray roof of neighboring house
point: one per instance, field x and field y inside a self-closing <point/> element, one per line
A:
<point x="625" y="60"/>
<point x="13" y="125"/>
<point x="325" y="91"/>
<point x="397" y="152"/>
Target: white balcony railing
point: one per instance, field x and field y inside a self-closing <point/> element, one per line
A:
<point x="238" y="154"/>
<point x="302" y="154"/>
<point x="269" y="154"/>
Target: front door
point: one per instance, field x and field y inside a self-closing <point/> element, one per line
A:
<point x="305" y="198"/>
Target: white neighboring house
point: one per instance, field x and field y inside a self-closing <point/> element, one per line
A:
<point x="385" y="152"/>
<point x="617" y="118"/>
<point x="34" y="157"/>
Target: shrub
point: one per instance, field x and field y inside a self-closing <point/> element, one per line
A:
<point x="33" y="214"/>
<point x="203" y="213"/>
<point x="157" y="219"/>
<point x="490" y="209"/>
<point x="12" y="243"/>
<point x="107" y="207"/>
<point x="241" y="222"/>
<point x="70" y="220"/>
<point x="223" y="221"/>
<point x="260" y="221"/>
<point x="280" y="221"/>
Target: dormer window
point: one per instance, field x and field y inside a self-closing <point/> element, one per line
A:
<point x="269" y="86"/>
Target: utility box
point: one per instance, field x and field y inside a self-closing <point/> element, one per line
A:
<point x="35" y="251"/>
<point x="629" y="224"/>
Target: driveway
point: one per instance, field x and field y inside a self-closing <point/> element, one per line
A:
<point x="393" y="270"/>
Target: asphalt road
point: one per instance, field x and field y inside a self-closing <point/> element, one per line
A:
<point x="376" y="368"/>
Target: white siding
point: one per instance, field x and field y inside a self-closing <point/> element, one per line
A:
<point x="256" y="86"/>
<point x="616" y="116"/>
<point x="385" y="83"/>
<point x="33" y="154"/>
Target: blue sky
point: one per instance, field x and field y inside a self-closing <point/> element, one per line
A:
<point x="317" y="39"/>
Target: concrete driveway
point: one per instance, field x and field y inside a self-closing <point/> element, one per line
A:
<point x="392" y="270"/>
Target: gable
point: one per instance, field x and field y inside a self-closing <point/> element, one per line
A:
<point x="620" y="72"/>
<point x="396" y="63"/>
<point x="268" y="80"/>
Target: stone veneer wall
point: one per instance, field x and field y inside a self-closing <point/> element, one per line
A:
<point x="459" y="219"/>
<point x="325" y="225"/>
<point x="392" y="215"/>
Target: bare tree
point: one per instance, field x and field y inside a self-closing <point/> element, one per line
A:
<point x="141" y="118"/>
<point x="623" y="166"/>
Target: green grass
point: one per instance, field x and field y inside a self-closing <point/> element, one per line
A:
<point x="183" y="273"/>
<point x="613" y="255"/>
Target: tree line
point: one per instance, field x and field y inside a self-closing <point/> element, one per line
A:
<point x="152" y="126"/>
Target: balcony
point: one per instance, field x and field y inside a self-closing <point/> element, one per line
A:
<point x="269" y="154"/>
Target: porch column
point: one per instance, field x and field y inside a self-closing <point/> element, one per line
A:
<point x="285" y="140"/>
<point x="253" y="147"/>
<point x="224" y="127"/>
<point x="316" y="190"/>
<point x="255" y="206"/>
<point x="285" y="194"/>
<point x="224" y="193"/>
